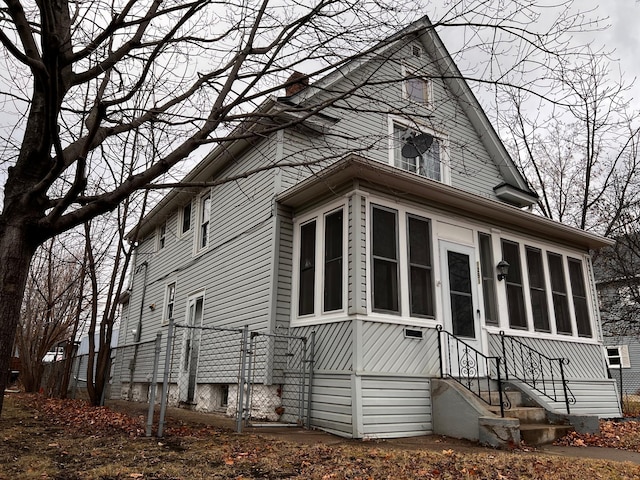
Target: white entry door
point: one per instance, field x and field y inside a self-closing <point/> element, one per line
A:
<point x="460" y="304"/>
<point x="191" y="349"/>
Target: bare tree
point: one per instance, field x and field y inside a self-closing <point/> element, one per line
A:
<point x="584" y="163"/>
<point x="187" y="74"/>
<point x="48" y="310"/>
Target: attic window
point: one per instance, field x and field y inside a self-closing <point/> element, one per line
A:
<point x="416" y="51"/>
<point x="417" y="89"/>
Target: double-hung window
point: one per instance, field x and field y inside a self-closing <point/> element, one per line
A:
<point x="321" y="264"/>
<point x="205" y="215"/>
<point x="186" y="218"/>
<point x="418" y="151"/>
<point x="162" y="236"/>
<point x="170" y="298"/>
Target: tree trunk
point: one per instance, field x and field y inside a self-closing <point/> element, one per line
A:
<point x="16" y="252"/>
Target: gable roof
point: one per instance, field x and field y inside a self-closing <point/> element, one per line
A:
<point x="424" y="31"/>
<point x="515" y="189"/>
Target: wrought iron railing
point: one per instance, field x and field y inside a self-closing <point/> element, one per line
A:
<point x="478" y="373"/>
<point x="542" y="373"/>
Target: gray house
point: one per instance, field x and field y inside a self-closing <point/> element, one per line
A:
<point x="618" y="283"/>
<point x="389" y="254"/>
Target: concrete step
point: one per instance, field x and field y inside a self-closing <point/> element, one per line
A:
<point x="539" y="434"/>
<point x="514" y="397"/>
<point x="524" y="414"/>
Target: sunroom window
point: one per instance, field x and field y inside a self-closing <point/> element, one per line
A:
<point x="321" y="265"/>
<point x="420" y="265"/>
<point x="537" y="289"/>
<point x="579" y="293"/>
<point x="546" y="291"/>
<point x="559" y="294"/>
<point x="385" y="259"/>
<point x="515" y="295"/>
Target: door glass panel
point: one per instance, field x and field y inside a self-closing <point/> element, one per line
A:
<point x="460" y="293"/>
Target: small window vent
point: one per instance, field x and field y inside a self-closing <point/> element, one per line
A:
<point x="416" y="51"/>
<point x="412" y="333"/>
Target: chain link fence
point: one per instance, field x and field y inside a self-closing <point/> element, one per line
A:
<point x="628" y="385"/>
<point x="253" y="377"/>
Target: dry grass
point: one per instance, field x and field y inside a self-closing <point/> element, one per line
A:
<point x="40" y="439"/>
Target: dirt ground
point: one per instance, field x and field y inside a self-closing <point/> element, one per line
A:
<point x="53" y="439"/>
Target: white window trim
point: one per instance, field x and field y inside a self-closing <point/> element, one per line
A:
<point x="165" y="303"/>
<point x="623" y="354"/>
<point x="445" y="163"/>
<point x="404" y="315"/>
<point x="407" y="72"/>
<point x="318" y="315"/>
<point x="197" y="249"/>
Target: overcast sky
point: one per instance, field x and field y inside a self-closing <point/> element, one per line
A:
<point x="622" y="37"/>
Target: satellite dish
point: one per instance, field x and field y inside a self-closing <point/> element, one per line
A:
<point x="417" y="145"/>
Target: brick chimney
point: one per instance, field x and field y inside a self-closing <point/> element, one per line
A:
<point x="296" y="83"/>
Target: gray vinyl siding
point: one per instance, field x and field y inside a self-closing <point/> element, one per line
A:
<point x="331" y="403"/>
<point x="630" y="375"/>
<point x="284" y="269"/>
<point x="593" y="397"/>
<point x="387" y="350"/>
<point x="363" y="126"/>
<point x="333" y="346"/>
<point x="395" y="407"/>
<point x="586" y="360"/>
<point x="332" y="393"/>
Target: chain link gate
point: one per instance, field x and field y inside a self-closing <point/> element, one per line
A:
<point x="276" y="375"/>
<point x="252" y="376"/>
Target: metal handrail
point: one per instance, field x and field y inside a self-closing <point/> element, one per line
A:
<point x="540" y="372"/>
<point x="466" y="365"/>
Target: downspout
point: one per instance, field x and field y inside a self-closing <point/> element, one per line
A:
<point x="138" y="331"/>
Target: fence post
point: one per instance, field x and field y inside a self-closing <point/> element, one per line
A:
<point x="303" y="379"/>
<point x="75" y="380"/>
<point x="621" y="389"/>
<point x="241" y="379"/>
<point x="152" y="387"/>
<point x="250" y="374"/>
<point x="165" y="379"/>
<point x="311" y="363"/>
